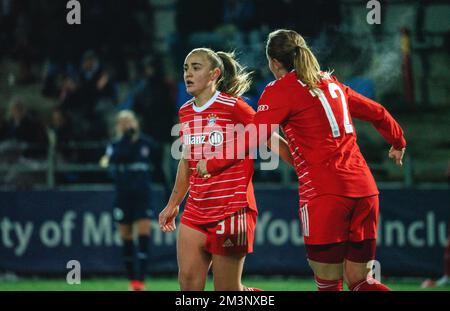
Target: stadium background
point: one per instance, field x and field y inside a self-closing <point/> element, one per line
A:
<point x="55" y="200"/>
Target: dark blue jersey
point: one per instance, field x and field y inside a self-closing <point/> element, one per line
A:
<point x="130" y="163"/>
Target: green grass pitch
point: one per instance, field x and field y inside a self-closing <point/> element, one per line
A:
<point x="171" y="284"/>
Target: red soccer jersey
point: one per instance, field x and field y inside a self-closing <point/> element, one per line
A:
<point x="321" y="135"/>
<point x="318" y="126"/>
<point x="205" y="133"/>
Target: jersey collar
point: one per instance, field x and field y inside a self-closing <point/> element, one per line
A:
<point x="207" y="104"/>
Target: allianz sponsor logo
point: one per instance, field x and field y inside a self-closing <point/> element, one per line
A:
<point x="215" y="138"/>
<point x="194" y="139"/>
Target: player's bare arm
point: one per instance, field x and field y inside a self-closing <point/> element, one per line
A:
<point x="169" y="213"/>
<point x="282" y="149"/>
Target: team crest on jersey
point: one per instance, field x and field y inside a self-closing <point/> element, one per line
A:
<point x="185" y="126"/>
<point x="215" y="138"/>
<point x="212" y="118"/>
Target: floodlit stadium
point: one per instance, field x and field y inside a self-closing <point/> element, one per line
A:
<point x="67" y="68"/>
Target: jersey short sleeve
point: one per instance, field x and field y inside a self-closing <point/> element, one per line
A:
<point x="244" y="112"/>
<point x="273" y="106"/>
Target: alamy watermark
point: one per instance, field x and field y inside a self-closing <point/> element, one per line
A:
<point x="233" y="141"/>
<point x="374" y="15"/>
<point x="73" y="17"/>
<point x="74" y="274"/>
<point x="374" y="274"/>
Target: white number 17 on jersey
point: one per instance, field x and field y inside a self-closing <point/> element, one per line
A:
<point x="333" y="88"/>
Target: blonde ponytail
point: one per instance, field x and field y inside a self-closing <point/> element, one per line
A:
<point x="306" y="66"/>
<point x="234" y="80"/>
<point x="291" y="50"/>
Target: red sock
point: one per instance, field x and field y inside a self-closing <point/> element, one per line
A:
<point x="253" y="289"/>
<point x="368" y="285"/>
<point x="327" y="285"/>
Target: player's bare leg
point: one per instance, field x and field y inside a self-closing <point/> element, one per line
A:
<point x="355" y="271"/>
<point x="227" y="271"/>
<point x="358" y="279"/>
<point x="193" y="260"/>
<point x="328" y="276"/>
<point x="326" y="271"/>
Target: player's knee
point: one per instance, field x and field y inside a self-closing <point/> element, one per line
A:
<point x="328" y="272"/>
<point x="189" y="280"/>
<point x="357" y="256"/>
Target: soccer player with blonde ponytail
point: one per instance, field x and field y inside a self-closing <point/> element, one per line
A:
<point x="218" y="223"/>
<point x="338" y="194"/>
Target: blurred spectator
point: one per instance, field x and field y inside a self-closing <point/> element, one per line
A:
<point x="155" y="104"/>
<point x="155" y="101"/>
<point x="98" y="96"/>
<point x="71" y="105"/>
<point x="62" y="128"/>
<point x="95" y="81"/>
<point x="22" y="126"/>
<point x="61" y="125"/>
<point x="24" y="147"/>
<point x="87" y="96"/>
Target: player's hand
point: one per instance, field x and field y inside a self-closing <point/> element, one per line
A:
<point x="167" y="218"/>
<point x="202" y="170"/>
<point x="397" y="155"/>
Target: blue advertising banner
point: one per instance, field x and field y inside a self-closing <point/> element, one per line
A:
<point x="40" y="232"/>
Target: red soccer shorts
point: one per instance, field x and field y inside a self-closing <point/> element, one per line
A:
<point x="332" y="219"/>
<point x="233" y="235"/>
